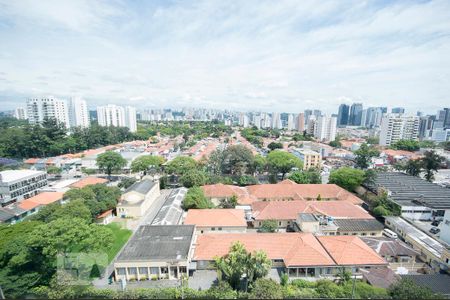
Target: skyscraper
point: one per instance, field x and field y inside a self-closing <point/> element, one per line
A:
<point x="39" y="109"/>
<point x="78" y="113"/>
<point x="130" y="118"/>
<point x="343" y="115"/>
<point x="325" y="128"/>
<point x="396" y="127"/>
<point x="398" y="110"/>
<point x="276" y="121"/>
<point x="308" y="113"/>
<point x="443" y="116"/>
<point x="20" y="113"/>
<point x="290" y="122"/>
<point x="301" y="122"/>
<point x="355" y="114"/>
<point x="111" y="115"/>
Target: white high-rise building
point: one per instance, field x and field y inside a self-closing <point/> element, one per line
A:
<point x="130" y="118"/>
<point x="78" y="113"/>
<point x="325" y="128"/>
<point x="39" y="109"/>
<point x="257" y="121"/>
<point x="276" y="121"/>
<point x="20" y="113"/>
<point x="290" y="124"/>
<point x="111" y="115"/>
<point x="396" y="127"/>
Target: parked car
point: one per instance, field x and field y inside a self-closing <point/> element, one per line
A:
<point x="435" y="223"/>
<point x="434" y="230"/>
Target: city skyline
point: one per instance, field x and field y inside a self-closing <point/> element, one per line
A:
<point x="282" y="58"/>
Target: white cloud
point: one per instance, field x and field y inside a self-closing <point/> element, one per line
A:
<point x="286" y="55"/>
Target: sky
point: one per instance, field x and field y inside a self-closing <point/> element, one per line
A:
<point x="280" y="56"/>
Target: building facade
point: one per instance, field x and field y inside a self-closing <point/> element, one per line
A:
<point x="39" y="109"/>
<point x="16" y="185"/>
<point x="78" y="113"/>
<point x="398" y="127"/>
<point x="325" y="128"/>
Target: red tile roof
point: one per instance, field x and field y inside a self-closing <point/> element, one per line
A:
<point x="289" y="210"/>
<point x="216" y="217"/>
<point x="350" y="250"/>
<point x="104" y="214"/>
<point x="43" y="198"/>
<point x="88" y="181"/>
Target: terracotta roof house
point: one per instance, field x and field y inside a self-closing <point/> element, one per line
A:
<point x="219" y="220"/>
<point x="88" y="181"/>
<point x="285" y="190"/>
<point x="299" y="254"/>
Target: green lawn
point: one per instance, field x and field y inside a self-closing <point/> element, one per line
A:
<point x="121" y="236"/>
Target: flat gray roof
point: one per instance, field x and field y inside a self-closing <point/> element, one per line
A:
<point x="158" y="242"/>
<point x="358" y="225"/>
<point x="142" y="187"/>
<point x="409" y="190"/>
<point x="306" y="217"/>
<point x="171" y="211"/>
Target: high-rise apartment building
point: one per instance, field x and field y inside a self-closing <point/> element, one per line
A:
<point x="343" y="115"/>
<point x="301" y="122"/>
<point x="276" y="121"/>
<point x="396" y="127"/>
<point x="20" y="113"/>
<point x="325" y="128"/>
<point x="78" y="113"/>
<point x="371" y="117"/>
<point x="290" y="122"/>
<point x="39" y="109"/>
<point x="308" y="113"/>
<point x="355" y="114"/>
<point x="111" y="115"/>
<point x="130" y="118"/>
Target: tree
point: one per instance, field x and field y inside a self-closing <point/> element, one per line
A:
<point x="269" y="226"/>
<point x="245" y="180"/>
<point x="283" y="162"/>
<point x="195" y="198"/>
<point x="260" y="164"/>
<point x="431" y="161"/>
<point x="229" y="202"/>
<point x="181" y="165"/>
<point x="237" y="160"/>
<point x="406" y="288"/>
<point x="143" y="163"/>
<point x="54" y="170"/>
<point x="336" y="144"/>
<point x="193" y="178"/>
<point x="266" y="289"/>
<point x="238" y="264"/>
<point x="126" y="182"/>
<point x="306" y="177"/>
<point x="412" y="167"/>
<point x="275" y="145"/>
<point x="364" y="155"/>
<point x="347" y="178"/>
<point x="110" y="161"/>
<point x="407" y="145"/>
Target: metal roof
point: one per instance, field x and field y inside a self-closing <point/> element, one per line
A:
<point x="141" y="187"/>
<point x="358" y="225"/>
<point x="171" y="211"/>
<point x="438" y="283"/>
<point x="409" y="190"/>
<point x="165" y="242"/>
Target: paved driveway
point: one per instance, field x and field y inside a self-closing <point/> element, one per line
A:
<point x="202" y="279"/>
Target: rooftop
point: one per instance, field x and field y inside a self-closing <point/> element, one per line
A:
<point x="389" y="247"/>
<point x="14" y="175"/>
<point x="358" y="225"/>
<point x="171" y="211"/>
<point x="380" y="277"/>
<point x="88" y="181"/>
<point x="296" y="249"/>
<point x="158" y="242"/>
<point x="289" y="210"/>
<point x="216" y="217"/>
<point x="43" y="198"/>
<point x="409" y="190"/>
<point x="438" y="283"/>
<point x="142" y="187"/>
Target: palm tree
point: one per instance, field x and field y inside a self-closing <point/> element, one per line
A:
<point x="431" y="162"/>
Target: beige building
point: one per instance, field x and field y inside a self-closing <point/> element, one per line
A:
<point x="138" y="198"/>
<point x="310" y="158"/>
<point x="156" y="252"/>
<point x="217" y="220"/>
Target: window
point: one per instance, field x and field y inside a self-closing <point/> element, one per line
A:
<point x="373" y="233"/>
<point x="279" y="223"/>
<point x="132" y="271"/>
<point x="213" y="228"/>
<point x="220" y="228"/>
<point x="154" y="270"/>
<point x="120" y="271"/>
<point x="143" y="271"/>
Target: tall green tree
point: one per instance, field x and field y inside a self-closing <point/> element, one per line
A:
<point x="181" y="165"/>
<point x="195" y="198"/>
<point x="406" y="288"/>
<point x="265" y="288"/>
<point x="283" y="162"/>
<point x="364" y="155"/>
<point x="412" y="167"/>
<point x="110" y="162"/>
<point x="347" y="178"/>
<point x="237" y="160"/>
<point x="193" y="178"/>
<point x="431" y="162"/>
<point x="306" y="177"/>
<point x="143" y="163"/>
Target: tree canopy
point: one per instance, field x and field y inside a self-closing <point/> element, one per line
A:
<point x="181" y="165"/>
<point x="143" y="163"/>
<point x="311" y="176"/>
<point x="110" y="162"/>
<point x="364" y="155"/>
<point x="408" y="145"/>
<point x="195" y="198"/>
<point x="431" y="162"/>
<point x="283" y="162"/>
<point x="194" y="178"/>
<point x="347" y="178"/>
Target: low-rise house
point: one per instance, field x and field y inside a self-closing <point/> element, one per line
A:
<point x="381" y="277"/>
<point x="323" y="217"/>
<point x="88" y="181"/>
<point x="138" y="198"/>
<point x="105" y="217"/>
<point x="297" y="254"/>
<point x="17" y="185"/>
<point x="218" y="220"/>
<point x="156" y="252"/>
<point x="395" y="252"/>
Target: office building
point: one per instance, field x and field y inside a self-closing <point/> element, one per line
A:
<point x="16" y="185"/>
<point x="78" y="113"/>
<point x="290" y="122"/>
<point x="325" y="128"/>
<point x="343" y="114"/>
<point x="39" y="109"/>
<point x="355" y="114"/>
<point x="444" y="117"/>
<point x="276" y="121"/>
<point x="20" y="113"/>
<point x="130" y="118"/>
<point x="398" y="110"/>
<point x="307" y="113"/>
<point x="426" y="125"/>
<point x="301" y="122"/>
<point x="398" y="127"/>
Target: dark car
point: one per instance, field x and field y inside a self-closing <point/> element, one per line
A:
<point x="434" y="230"/>
<point x="435" y="223"/>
